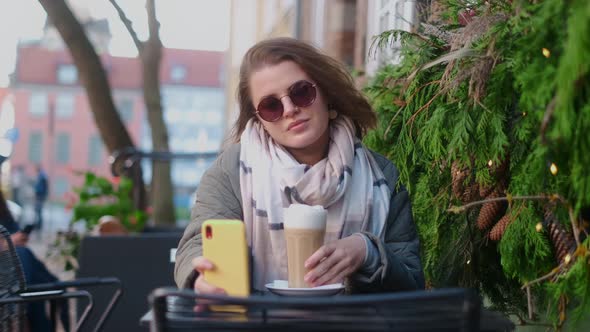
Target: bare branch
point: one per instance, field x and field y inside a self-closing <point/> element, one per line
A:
<point x="547" y="117"/>
<point x="153" y="24"/>
<point x="509" y="198"/>
<point x="128" y="24"/>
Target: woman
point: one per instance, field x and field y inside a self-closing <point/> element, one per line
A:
<point x="299" y="131"/>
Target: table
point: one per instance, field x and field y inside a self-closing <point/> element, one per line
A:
<point x="441" y="310"/>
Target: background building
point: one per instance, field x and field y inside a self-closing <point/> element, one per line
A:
<point x="56" y="128"/>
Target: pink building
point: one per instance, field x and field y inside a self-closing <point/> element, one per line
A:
<point x="55" y="124"/>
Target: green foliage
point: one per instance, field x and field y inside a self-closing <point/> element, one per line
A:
<point x="519" y="90"/>
<point x="100" y="197"/>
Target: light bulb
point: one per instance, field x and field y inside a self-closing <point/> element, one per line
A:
<point x="546" y="52"/>
<point x="553" y="169"/>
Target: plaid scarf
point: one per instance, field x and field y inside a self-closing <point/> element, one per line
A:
<point x="348" y="183"/>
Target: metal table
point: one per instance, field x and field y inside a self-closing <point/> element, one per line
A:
<point x="440" y="310"/>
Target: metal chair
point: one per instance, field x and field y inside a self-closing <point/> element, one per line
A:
<point x="14" y="293"/>
<point x="440" y="310"/>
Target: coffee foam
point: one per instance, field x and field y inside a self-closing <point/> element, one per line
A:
<point x="305" y="216"/>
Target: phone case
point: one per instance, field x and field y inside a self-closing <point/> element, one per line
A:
<point x="224" y="244"/>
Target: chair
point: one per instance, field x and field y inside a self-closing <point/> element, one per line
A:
<point x="440" y="310"/>
<point x="14" y="293"/>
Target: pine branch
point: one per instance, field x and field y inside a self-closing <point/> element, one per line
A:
<point x="128" y="24"/>
<point x="549" y="275"/>
<point x="547" y="117"/>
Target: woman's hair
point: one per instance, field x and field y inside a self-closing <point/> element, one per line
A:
<point x="332" y="79"/>
<point x="4" y="211"/>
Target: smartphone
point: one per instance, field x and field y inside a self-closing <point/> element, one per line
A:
<point x="224" y="244"/>
<point x="28" y="229"/>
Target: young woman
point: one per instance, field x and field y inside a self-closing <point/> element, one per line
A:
<point x="298" y="140"/>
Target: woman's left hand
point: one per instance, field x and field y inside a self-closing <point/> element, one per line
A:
<point x="335" y="261"/>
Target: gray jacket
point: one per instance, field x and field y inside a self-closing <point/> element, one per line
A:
<point x="218" y="197"/>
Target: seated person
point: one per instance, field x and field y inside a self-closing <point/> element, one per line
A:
<point x="34" y="270"/>
<point x="299" y="140"/>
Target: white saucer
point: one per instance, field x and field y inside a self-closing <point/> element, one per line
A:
<point x="280" y="287"/>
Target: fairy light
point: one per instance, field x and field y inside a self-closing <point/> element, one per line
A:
<point x="553" y="169"/>
<point x="546" y="52"/>
<point x="468" y="261"/>
<point x="523" y="113"/>
<point x="490" y="163"/>
<point x="539" y="227"/>
<point x="567" y="258"/>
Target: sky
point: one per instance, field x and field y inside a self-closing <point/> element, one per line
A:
<point x="186" y="24"/>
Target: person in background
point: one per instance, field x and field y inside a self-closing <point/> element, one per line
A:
<point x="41" y="188"/>
<point x="34" y="270"/>
<point x="17" y="183"/>
<point x="299" y="141"/>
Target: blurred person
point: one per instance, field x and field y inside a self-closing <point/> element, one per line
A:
<point x="34" y="270"/>
<point x="17" y="183"/>
<point x="41" y="188"/>
<point x="299" y="141"/>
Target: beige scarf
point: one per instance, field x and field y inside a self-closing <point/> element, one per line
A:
<point x="348" y="183"/>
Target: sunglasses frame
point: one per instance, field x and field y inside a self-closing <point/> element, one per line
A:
<point x="280" y="99"/>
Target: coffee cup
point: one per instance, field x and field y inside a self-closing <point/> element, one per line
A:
<point x="304" y="227"/>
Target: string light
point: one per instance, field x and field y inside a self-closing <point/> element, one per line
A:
<point x="523" y="113"/>
<point x="553" y="169"/>
<point x="539" y="227"/>
<point x="567" y="258"/>
<point x="468" y="261"/>
<point x="490" y="163"/>
<point x="546" y="52"/>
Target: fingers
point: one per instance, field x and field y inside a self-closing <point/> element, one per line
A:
<point x="201" y="264"/>
<point x="335" y="275"/>
<point x="322" y="268"/>
<point x="203" y="287"/>
<point x="317" y="256"/>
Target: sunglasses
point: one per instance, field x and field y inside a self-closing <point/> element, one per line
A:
<point x="302" y="94"/>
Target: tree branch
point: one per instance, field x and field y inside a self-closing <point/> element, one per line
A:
<point x="549" y="275"/>
<point x="128" y="24"/>
<point x="509" y="198"/>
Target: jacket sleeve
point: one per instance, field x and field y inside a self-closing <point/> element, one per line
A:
<point x="399" y="267"/>
<point x="217" y="198"/>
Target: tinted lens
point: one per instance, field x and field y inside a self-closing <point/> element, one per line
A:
<point x="270" y="109"/>
<point x="302" y="93"/>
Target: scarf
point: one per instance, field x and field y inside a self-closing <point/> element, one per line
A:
<point x="348" y="183"/>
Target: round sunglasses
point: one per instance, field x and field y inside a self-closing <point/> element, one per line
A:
<point x="302" y="94"/>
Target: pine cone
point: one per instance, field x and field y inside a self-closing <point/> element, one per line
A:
<point x="458" y="176"/>
<point x="500" y="227"/>
<point x="562" y="240"/>
<point x="484" y="191"/>
<point x="470" y="193"/>
<point x="490" y="212"/>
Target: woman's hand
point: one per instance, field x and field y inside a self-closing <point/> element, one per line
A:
<point x="202" y="264"/>
<point x="19" y="238"/>
<point x="335" y="261"/>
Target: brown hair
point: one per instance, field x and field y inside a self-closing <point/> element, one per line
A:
<point x="332" y="79"/>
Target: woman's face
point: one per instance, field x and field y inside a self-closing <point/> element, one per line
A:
<point x="303" y="129"/>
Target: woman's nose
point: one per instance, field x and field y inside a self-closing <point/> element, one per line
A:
<point x="289" y="108"/>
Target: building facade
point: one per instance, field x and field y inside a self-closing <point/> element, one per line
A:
<point x="56" y="128"/>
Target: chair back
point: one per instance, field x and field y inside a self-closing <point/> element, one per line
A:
<point x="12" y="281"/>
<point x="440" y="310"/>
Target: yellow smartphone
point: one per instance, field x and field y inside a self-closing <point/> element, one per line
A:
<point x="224" y="244"/>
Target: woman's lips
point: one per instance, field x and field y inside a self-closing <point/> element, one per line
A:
<point x="296" y="124"/>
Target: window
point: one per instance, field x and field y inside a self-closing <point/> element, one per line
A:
<point x="38" y="104"/>
<point x="62" y="148"/>
<point x="177" y="73"/>
<point x="60" y="187"/>
<point x="64" y="106"/>
<point x="35" y="147"/>
<point x="95" y="150"/>
<point x="67" y="74"/>
<point x="125" y="109"/>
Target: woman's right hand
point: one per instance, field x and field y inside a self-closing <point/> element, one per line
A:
<point x="202" y="264"/>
